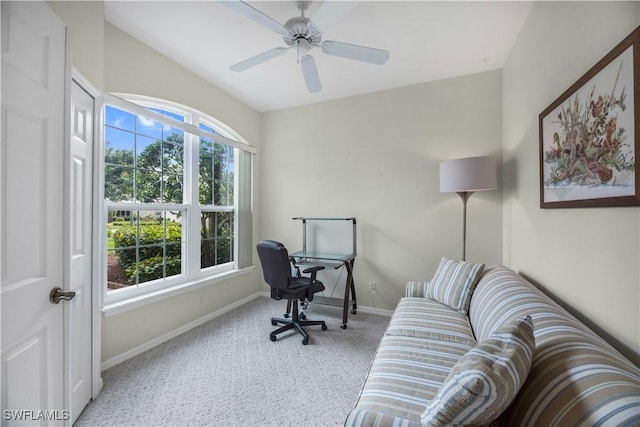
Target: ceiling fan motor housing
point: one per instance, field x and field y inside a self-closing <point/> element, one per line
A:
<point x="299" y="28"/>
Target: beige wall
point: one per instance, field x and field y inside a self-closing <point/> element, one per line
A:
<point x="132" y="67"/>
<point x="376" y="157"/>
<point x="85" y="19"/>
<point x="588" y="258"/>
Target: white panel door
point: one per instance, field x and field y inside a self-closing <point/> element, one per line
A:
<point x="78" y="344"/>
<point x="32" y="225"/>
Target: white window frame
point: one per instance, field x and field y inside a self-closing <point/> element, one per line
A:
<point x="192" y="275"/>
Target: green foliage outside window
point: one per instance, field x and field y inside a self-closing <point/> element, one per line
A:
<point x="153" y="268"/>
<point x="153" y="246"/>
<point x="216" y="229"/>
<point x="159" y="172"/>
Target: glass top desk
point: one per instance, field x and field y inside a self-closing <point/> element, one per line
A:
<point x="334" y="260"/>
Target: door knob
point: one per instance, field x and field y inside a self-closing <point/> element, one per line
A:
<point x="57" y="295"/>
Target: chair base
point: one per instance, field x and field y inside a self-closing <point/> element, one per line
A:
<point x="295" y="323"/>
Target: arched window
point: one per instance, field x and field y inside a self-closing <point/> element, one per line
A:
<point x="177" y="196"/>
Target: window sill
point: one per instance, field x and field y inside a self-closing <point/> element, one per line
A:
<point x="118" y="307"/>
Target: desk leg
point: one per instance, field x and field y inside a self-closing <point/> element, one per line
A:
<point x="353" y="290"/>
<point x="348" y="289"/>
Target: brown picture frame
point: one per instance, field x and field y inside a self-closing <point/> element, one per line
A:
<point x="590" y="135"/>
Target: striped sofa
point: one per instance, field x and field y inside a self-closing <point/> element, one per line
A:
<point x="575" y="379"/>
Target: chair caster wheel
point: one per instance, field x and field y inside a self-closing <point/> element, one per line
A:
<point x="274" y="323"/>
<point x="272" y="337"/>
<point x="305" y="341"/>
<point x="343" y="326"/>
<point x="324" y="327"/>
<point x="303" y="316"/>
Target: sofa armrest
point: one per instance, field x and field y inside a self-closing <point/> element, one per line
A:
<point x="416" y="289"/>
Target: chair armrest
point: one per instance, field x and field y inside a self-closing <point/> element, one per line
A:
<point x="416" y="289"/>
<point x="313" y="270"/>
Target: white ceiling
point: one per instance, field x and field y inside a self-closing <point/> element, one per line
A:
<point x="427" y="41"/>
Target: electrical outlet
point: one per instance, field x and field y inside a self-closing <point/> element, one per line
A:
<point x="372" y="287"/>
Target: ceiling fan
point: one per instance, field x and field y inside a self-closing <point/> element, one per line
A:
<point x="304" y="34"/>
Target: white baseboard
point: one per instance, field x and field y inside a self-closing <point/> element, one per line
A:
<point x="172" y="334"/>
<point x="374" y="310"/>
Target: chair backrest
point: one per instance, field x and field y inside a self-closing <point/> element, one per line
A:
<point x="275" y="263"/>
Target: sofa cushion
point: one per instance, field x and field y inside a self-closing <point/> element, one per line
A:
<point x="426" y="318"/>
<point x="416" y="289"/>
<point x="486" y="379"/>
<point x="404" y="376"/>
<point x="576" y="377"/>
<point x="454" y="282"/>
<point x="368" y="417"/>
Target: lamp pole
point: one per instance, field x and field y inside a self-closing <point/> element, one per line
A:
<point x="464" y="195"/>
<point x="465" y="177"/>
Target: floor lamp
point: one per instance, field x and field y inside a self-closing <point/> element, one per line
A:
<point x="465" y="177"/>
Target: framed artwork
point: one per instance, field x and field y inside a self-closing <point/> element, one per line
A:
<point x="588" y="141"/>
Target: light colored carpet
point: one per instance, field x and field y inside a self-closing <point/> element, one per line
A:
<point x="227" y="372"/>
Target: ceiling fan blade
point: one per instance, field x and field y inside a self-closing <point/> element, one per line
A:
<point x="353" y="51"/>
<point x="310" y="73"/>
<point x="329" y="13"/>
<point x="259" y="59"/>
<point x="254" y="14"/>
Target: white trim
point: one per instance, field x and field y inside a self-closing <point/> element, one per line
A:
<point x="96" y="238"/>
<point x="66" y="234"/>
<point x="99" y="270"/>
<point x="187" y="127"/>
<point x="174" y="333"/>
<point x="374" y="310"/>
<point x="143" y="299"/>
<point x="129" y="206"/>
<point x="115" y="296"/>
<point x="84" y="83"/>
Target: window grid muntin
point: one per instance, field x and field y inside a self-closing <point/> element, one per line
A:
<point x="135" y="169"/>
<point x="139" y="222"/>
<point x="219" y="168"/>
<point x="215" y="238"/>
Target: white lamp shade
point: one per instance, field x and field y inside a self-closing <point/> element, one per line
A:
<point x="468" y="174"/>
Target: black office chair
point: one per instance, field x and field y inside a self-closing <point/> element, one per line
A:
<point x="277" y="273"/>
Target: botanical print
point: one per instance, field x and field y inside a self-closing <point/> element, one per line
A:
<point x="589" y="138"/>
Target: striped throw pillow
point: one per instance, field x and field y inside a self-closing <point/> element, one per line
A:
<point x="485" y="380"/>
<point x="454" y="283"/>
